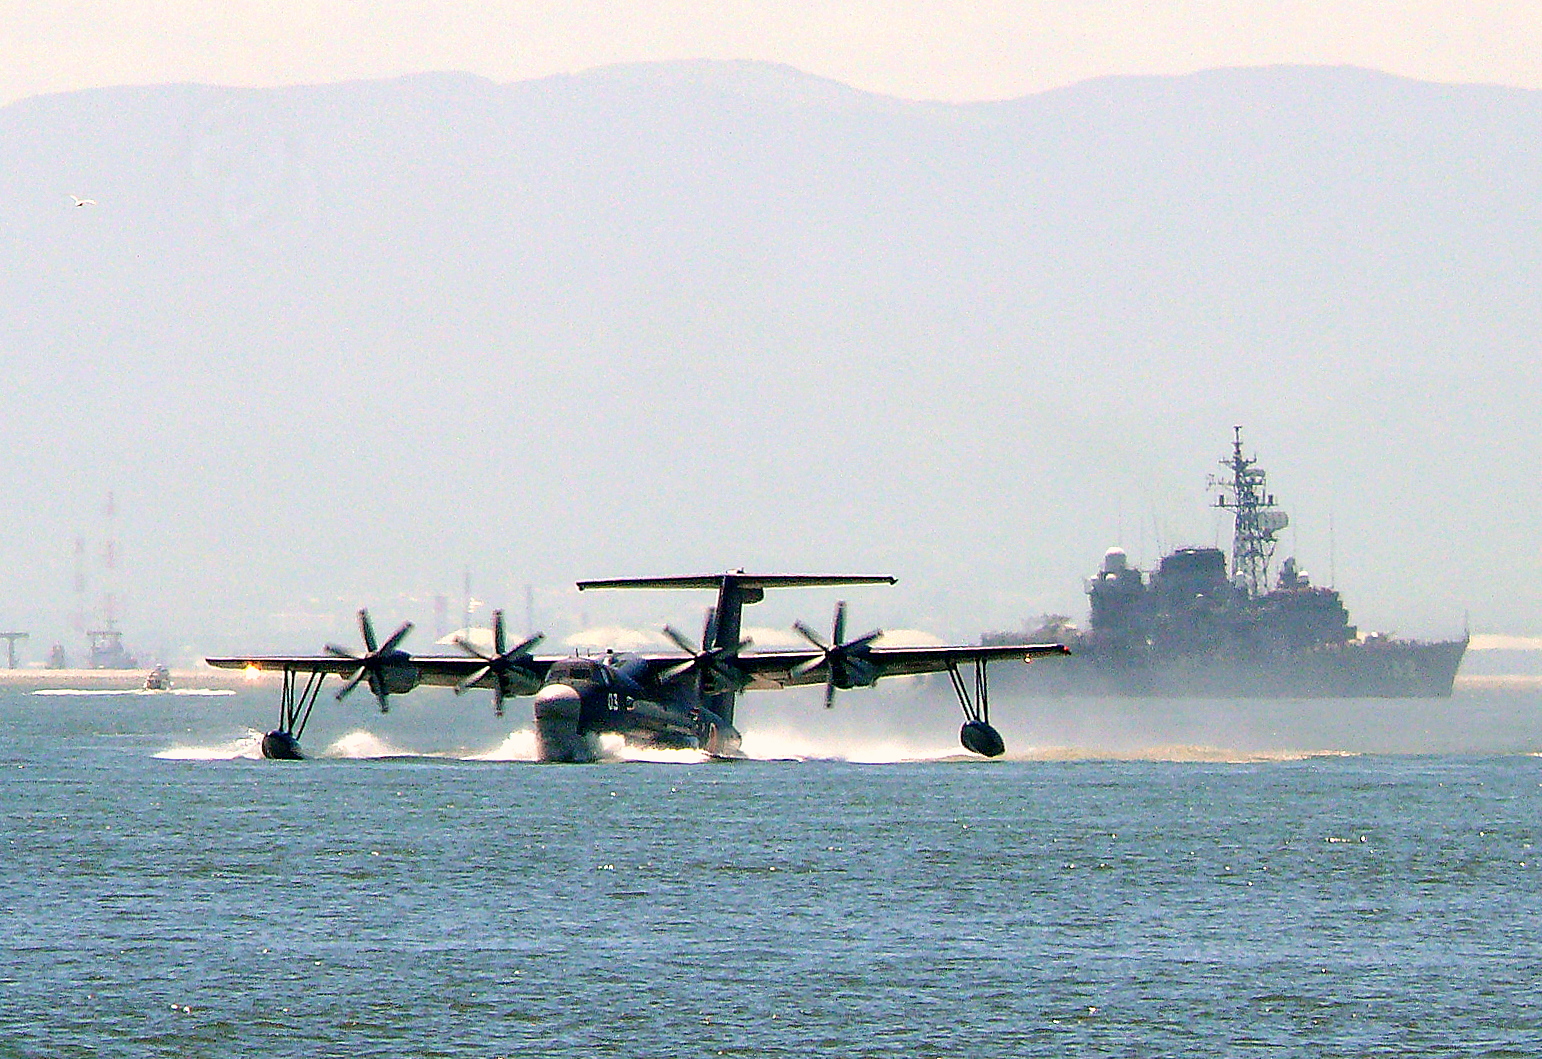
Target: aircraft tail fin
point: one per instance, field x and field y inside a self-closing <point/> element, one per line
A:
<point x="735" y="590"/>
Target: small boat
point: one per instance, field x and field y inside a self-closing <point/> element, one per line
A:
<point x="159" y="679"/>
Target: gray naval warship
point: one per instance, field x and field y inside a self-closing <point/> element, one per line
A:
<point x="1195" y="628"/>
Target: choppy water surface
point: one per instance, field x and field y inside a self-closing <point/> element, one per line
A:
<point x="204" y="903"/>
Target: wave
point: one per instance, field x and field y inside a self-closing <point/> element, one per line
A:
<point x="517" y="746"/>
<point x="614" y="748"/>
<point x="362" y="745"/>
<point x="359" y="745"/>
<point x="1177" y="753"/>
<point x="521" y="746"/>
<point x="779" y="745"/>
<point x="248" y="746"/>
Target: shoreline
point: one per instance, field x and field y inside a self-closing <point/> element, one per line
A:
<point x="121" y="679"/>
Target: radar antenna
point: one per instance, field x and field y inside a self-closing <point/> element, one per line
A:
<point x="1256" y="518"/>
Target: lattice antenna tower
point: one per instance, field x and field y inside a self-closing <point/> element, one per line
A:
<point x="1256" y="519"/>
<point x="110" y="557"/>
<point x="80" y="585"/>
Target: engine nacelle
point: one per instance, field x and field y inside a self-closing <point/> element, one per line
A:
<point x="399" y="678"/>
<point x="982" y="739"/>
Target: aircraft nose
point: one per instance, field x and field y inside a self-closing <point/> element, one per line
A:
<point x="557" y="700"/>
<point x="558" y="735"/>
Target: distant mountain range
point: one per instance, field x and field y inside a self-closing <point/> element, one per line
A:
<point x="334" y="345"/>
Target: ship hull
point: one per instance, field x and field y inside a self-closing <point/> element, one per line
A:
<point x="1387" y="669"/>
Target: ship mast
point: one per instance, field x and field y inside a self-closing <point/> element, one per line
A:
<point x="1256" y="520"/>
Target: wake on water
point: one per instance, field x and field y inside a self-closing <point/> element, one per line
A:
<point x="247" y="746"/>
<point x="359" y="745"/>
<point x="520" y="746"/>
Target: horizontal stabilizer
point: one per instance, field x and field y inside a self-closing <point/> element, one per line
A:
<point x="738" y="577"/>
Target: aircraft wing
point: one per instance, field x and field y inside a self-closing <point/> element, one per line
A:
<point x="766" y="670"/>
<point x="438" y="670"/>
<point x="279" y="663"/>
<point x="769" y="670"/>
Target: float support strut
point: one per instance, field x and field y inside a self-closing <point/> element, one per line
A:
<point x="295" y="704"/>
<point x="976" y="707"/>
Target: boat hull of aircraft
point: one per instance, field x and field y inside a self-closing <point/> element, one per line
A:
<point x="583" y="699"/>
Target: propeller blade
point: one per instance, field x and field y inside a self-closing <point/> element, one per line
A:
<point x="530" y="676"/>
<point x="498" y="698"/>
<point x="367" y="631"/>
<point x="726" y="677"/>
<point x="617" y="678"/>
<point x="840" y="621"/>
<point x="809" y="635"/>
<point x="678" y="671"/>
<point x="471" y="681"/>
<point x="396" y="637"/>
<point x="347" y="688"/>
<point x="862" y="641"/>
<point x="498" y="648"/>
<point x="524" y="647"/>
<point x="830" y="694"/>
<point x="333" y="649"/>
<point x="680" y="641"/>
<point x="470" y="648"/>
<point x="709" y="630"/>
<point x="860" y="673"/>
<point x="803" y="669"/>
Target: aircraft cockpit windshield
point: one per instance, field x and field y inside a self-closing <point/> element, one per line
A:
<point x="575" y="669"/>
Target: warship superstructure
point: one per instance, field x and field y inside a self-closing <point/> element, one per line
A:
<point x="1195" y="626"/>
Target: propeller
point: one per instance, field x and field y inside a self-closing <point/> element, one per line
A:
<point x="845" y="661"/>
<point x="375" y="661"/>
<point x="714" y="667"/>
<point x="618" y="678"/>
<point x="507" y="665"/>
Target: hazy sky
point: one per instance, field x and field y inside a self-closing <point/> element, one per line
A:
<point x="924" y="49"/>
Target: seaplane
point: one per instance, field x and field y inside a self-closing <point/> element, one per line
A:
<point x="677" y="699"/>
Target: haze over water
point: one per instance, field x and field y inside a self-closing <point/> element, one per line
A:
<point x="164" y="895"/>
<point x="334" y="346"/>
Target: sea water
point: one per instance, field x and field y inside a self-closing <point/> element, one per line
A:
<point x="412" y="892"/>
